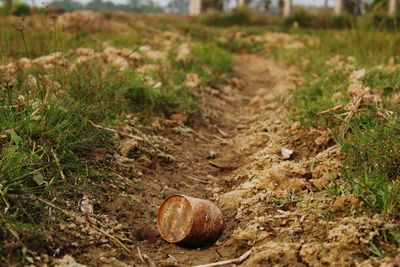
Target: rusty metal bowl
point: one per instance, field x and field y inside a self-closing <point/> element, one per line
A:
<point x="190" y="221"/>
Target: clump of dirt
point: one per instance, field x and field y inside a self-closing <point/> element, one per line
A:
<point x="110" y="57"/>
<point x="279" y="39"/>
<point x="90" y="21"/>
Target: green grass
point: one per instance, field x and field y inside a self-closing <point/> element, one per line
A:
<point x="372" y="177"/>
<point x="208" y="60"/>
<point x="46" y="152"/>
<point x="304" y="19"/>
<point x="371" y="146"/>
<point x="241" y="16"/>
<point x="46" y="142"/>
<point x="372" y="163"/>
<point x="38" y="146"/>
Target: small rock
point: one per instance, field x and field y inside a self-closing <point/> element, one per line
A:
<point x="295" y="126"/>
<point x="67" y="261"/>
<point x="29" y="259"/>
<point x="212" y="155"/>
<point x="130" y="149"/>
<point x="235" y="82"/>
<point x="86" y="205"/>
<point x="286" y="153"/>
<point x="179" y="117"/>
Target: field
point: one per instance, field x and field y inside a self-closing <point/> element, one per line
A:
<point x="291" y="130"/>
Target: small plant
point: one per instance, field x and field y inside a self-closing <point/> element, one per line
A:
<point x="372" y="161"/>
<point x="304" y="19"/>
<point x="147" y="100"/>
<point x="240" y="16"/>
<point x="383" y="21"/>
<point x="21" y="9"/>
<point x="208" y="60"/>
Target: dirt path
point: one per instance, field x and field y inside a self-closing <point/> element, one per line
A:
<point x="276" y="206"/>
<point x="141" y="177"/>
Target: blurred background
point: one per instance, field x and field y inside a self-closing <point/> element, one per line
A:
<point x="271" y="7"/>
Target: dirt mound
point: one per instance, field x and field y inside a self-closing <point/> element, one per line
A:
<point x="91" y="22"/>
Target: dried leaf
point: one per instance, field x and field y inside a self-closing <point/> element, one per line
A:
<point x="38" y="178"/>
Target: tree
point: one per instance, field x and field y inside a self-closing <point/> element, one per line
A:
<point x="135" y="4"/>
<point x="144" y="6"/>
<point x="98" y="5"/>
<point x="66" y="5"/>
<point x="178" y="6"/>
<point x="353" y="7"/>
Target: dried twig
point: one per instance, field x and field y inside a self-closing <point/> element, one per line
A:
<point x="138" y="138"/>
<point x="197" y="179"/>
<point x="340" y="106"/>
<point x="222" y="140"/>
<point x="223" y="167"/>
<point x="355" y="106"/>
<point x="58" y="164"/>
<point x="220" y="263"/>
<point x="135" y="137"/>
<point x="114" y="239"/>
<point x="185" y="184"/>
<point x="223" y="133"/>
<point x="44" y="102"/>
<point x="172" y="257"/>
<point x="149" y="261"/>
<point x="140" y="255"/>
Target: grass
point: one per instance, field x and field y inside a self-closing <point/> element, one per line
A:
<point x="301" y="18"/>
<point x="372" y="161"/>
<point x="241" y="16"/>
<point x="11" y="44"/>
<point x="208" y="60"/>
<point x="46" y="138"/>
<point x="371" y="146"/>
